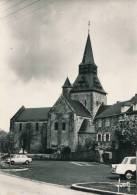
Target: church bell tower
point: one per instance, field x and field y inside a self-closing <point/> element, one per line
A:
<point x="87" y="88"/>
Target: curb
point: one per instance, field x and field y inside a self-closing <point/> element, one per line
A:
<point x="94" y="190"/>
<point x="14" y="170"/>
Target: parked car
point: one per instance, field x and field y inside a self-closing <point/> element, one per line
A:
<point x="18" y="159"/>
<point x="126" y="168"/>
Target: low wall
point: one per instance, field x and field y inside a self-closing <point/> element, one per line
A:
<point x="86" y="156"/>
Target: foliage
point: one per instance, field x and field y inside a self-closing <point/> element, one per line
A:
<point x="9" y="143"/>
<point x="88" y="146"/>
<point x="26" y="138"/>
<point x="3" y="141"/>
<point x="126" y="133"/>
<point x="65" y="153"/>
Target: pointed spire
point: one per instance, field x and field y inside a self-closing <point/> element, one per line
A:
<point x="67" y="83"/>
<point x="88" y="53"/>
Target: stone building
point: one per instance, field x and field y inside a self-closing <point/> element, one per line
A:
<point x="109" y="118"/>
<point x="32" y="123"/>
<point x="70" y="122"/>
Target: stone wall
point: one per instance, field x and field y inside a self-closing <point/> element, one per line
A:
<point x="61" y="113"/>
<point x="107" y="125"/>
<point x="84" y="98"/>
<point x="85" y="139"/>
<point x="97" y="100"/>
<point x="38" y="135"/>
<point x="91" y="100"/>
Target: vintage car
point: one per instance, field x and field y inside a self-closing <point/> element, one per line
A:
<point x="18" y="159"/>
<point x="126" y="168"/>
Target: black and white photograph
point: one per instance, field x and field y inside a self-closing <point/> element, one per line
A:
<point x="68" y="104"/>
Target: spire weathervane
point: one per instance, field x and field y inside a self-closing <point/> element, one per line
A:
<point x="88" y="26"/>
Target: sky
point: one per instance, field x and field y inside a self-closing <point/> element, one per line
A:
<point x="42" y="42"/>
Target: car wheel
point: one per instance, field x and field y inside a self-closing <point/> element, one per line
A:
<point x="12" y="163"/>
<point x="27" y="162"/>
<point x="129" y="175"/>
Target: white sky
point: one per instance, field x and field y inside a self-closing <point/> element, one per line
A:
<point x="42" y="42"/>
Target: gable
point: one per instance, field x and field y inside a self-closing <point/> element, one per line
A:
<point x="61" y="106"/>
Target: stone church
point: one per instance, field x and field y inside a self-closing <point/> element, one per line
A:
<point x="69" y="122"/>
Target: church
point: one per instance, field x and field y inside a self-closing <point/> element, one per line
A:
<point x="70" y="121"/>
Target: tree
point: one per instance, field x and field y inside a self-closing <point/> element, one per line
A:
<point x="26" y="138"/>
<point x="3" y="141"/>
<point x="126" y="133"/>
<point x="10" y="143"/>
<point x="43" y="133"/>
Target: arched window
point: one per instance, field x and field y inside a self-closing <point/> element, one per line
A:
<point x="20" y="126"/>
<point x="56" y="125"/>
<point x="37" y="126"/>
<point x="107" y="137"/>
<point x="99" y="137"/>
<point x="63" y="126"/>
<point x="85" y="103"/>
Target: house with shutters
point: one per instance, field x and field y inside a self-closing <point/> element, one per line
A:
<point x="70" y="121"/>
<point x="109" y="117"/>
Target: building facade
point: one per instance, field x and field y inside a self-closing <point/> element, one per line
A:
<point x="113" y="124"/>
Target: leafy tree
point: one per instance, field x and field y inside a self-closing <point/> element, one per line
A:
<point x="26" y="138"/>
<point x="10" y="143"/>
<point x="3" y="141"/>
<point x="43" y="138"/>
<point x="126" y="133"/>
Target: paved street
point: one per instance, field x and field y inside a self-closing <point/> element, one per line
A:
<point x="67" y="173"/>
<point x="10" y="185"/>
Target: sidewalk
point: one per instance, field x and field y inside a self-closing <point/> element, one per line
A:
<point x="12" y="185"/>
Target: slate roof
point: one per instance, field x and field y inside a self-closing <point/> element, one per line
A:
<point x="34" y="114"/>
<point x="87" y="79"/>
<point x="79" y="109"/>
<point x="84" y="126"/>
<point x="67" y="83"/>
<point x="110" y="110"/>
<point x="115" y="109"/>
<point x="87" y="82"/>
<point x="88" y="53"/>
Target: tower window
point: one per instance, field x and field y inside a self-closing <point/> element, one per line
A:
<point x="64" y="126"/>
<point x="85" y="102"/>
<point x="37" y="126"/>
<point x="56" y="126"/>
<point x="20" y="127"/>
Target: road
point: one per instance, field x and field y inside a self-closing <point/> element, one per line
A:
<point x="66" y="172"/>
<point x="11" y="185"/>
